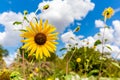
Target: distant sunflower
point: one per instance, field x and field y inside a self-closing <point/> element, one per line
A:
<point x="108" y="12"/>
<point x="40" y="39"/>
<point x="78" y="60"/>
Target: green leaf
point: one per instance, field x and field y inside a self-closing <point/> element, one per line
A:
<point x="17" y="23"/>
<point x="109" y="47"/>
<point x="23" y="30"/>
<point x="97" y="42"/>
<point x="99" y="34"/>
<point x="116" y="64"/>
<point x="25" y="18"/>
<point x="77" y="29"/>
<point x="45" y="7"/>
<point x="92" y="72"/>
<point x="106" y="40"/>
<point x="36" y="19"/>
<point x="63" y="49"/>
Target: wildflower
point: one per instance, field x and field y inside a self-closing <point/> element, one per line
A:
<point x="40" y="39"/>
<point x="45" y="7"/>
<point x="25" y="12"/>
<point x="36" y="70"/>
<point x="31" y="75"/>
<point x="49" y="79"/>
<point x="78" y="60"/>
<point x="108" y="12"/>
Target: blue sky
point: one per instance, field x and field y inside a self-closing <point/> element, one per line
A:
<point x="88" y="27"/>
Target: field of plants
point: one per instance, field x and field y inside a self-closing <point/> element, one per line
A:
<point x="37" y="58"/>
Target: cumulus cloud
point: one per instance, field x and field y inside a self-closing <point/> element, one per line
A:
<point x="112" y="35"/>
<point x="10" y="37"/>
<point x="99" y="23"/>
<point x="62" y="13"/>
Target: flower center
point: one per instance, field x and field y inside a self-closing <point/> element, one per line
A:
<point x="108" y="13"/>
<point x="40" y="38"/>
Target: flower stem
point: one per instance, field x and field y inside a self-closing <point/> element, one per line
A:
<point x="23" y="63"/>
<point x="67" y="64"/>
<point x="103" y="43"/>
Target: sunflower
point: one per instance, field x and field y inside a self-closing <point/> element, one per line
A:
<point x="108" y="12"/>
<point x="39" y="39"/>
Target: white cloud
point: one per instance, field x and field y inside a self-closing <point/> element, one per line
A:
<point x="62" y="13"/>
<point x="10" y="37"/>
<point x="70" y="37"/>
<point x="10" y="59"/>
<point x="99" y="23"/>
<point x="108" y="34"/>
<point x="112" y="34"/>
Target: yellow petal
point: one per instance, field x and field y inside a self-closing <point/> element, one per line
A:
<point x="39" y="52"/>
<point x="49" y="48"/>
<point x="27" y="44"/>
<point x="26" y="35"/>
<point x="51" y="45"/>
<point x="38" y="28"/>
<point x="45" y="51"/>
<point x="30" y="47"/>
<point x="52" y="38"/>
<point x="45" y="24"/>
<point x="28" y="40"/>
<point x="52" y="29"/>
<point x="52" y="35"/>
<point x="40" y="24"/>
<point x="46" y="29"/>
<point x="33" y="50"/>
<point x="30" y="30"/>
<point x="54" y="42"/>
<point x="33" y="26"/>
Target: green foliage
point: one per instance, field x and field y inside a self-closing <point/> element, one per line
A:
<point x="90" y="62"/>
<point x="25" y="18"/>
<point x="23" y="30"/>
<point x="116" y="64"/>
<point x="97" y="42"/>
<point x="109" y="48"/>
<point x="15" y="76"/>
<point x="63" y="49"/>
<point x="3" y="52"/>
<point x="17" y="23"/>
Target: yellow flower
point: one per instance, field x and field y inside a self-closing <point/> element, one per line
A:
<point x="49" y="79"/>
<point x="78" y="60"/>
<point x="31" y="75"/>
<point x="36" y="70"/>
<point x="108" y="12"/>
<point x="39" y="39"/>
